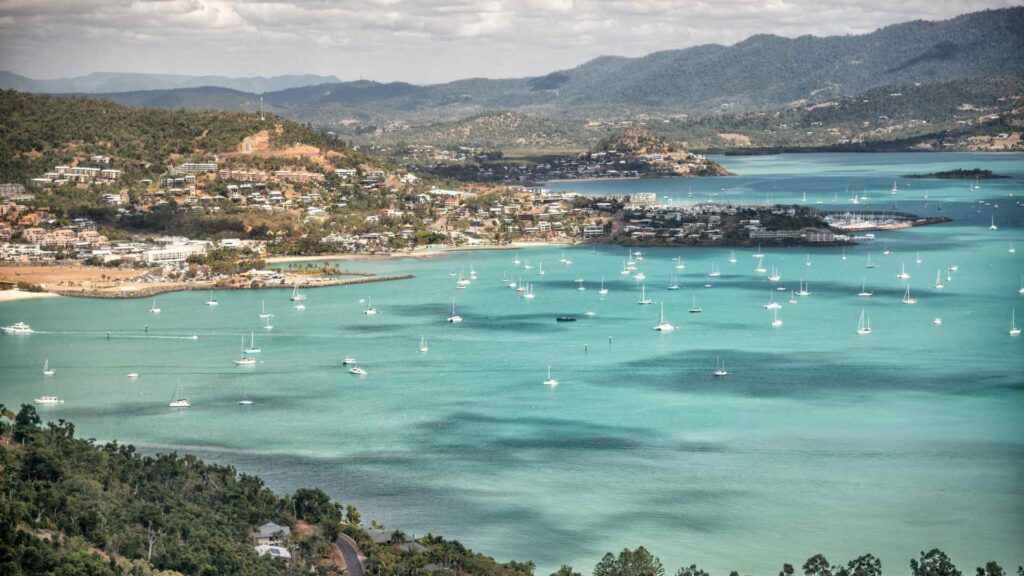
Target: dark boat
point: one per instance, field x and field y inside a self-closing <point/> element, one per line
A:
<point x="565" y="319"/>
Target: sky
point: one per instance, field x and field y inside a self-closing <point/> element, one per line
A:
<point x="420" y="41"/>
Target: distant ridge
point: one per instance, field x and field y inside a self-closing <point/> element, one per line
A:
<point x="100" y="82"/>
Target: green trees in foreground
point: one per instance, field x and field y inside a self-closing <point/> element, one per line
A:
<point x="69" y="507"/>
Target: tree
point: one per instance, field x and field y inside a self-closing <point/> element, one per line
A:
<point x="817" y="565"/>
<point x="934" y="563"/>
<point x="352" y="515"/>
<point x="691" y="570"/>
<point x="25" y="423"/>
<point x="637" y="562"/>
<point x="565" y="570"/>
<point x="866" y="565"/>
<point x="787" y="570"/>
<point x="991" y="569"/>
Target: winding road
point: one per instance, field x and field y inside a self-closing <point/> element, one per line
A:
<point x="351" y="553"/>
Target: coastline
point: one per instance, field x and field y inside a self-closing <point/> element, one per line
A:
<point x="422" y="253"/>
<point x="16" y="295"/>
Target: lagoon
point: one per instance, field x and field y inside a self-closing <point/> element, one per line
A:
<point x="820" y="440"/>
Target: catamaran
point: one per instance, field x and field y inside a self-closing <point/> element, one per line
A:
<point x="552" y="382"/>
<point x="863" y="288"/>
<point x="644" y="300"/>
<point x="212" y="301"/>
<point x="529" y="291"/>
<point x="252" y="349"/>
<point x="49" y="400"/>
<point x="775" y="276"/>
<point x="903" y="273"/>
<point x="423" y="344"/>
<point x="244" y="360"/>
<point x="720" y="370"/>
<point x="454" y="318"/>
<point x="296" y="295"/>
<point x="772" y="304"/>
<point x="663" y="326"/>
<point x="177" y="402"/>
<point x="370" y="310"/>
<point x="153" y="309"/>
<point x="907" y="299"/>
<point x="672" y="284"/>
<point x="1014" y="330"/>
<point x="18" y="328"/>
<point x="732" y="257"/>
<point x="938" y="280"/>
<point x="679" y="263"/>
<point x="603" y="291"/>
<point x="864" y="326"/>
<point x="714" y="271"/>
<point x="47" y="371"/>
<point x="803" y="289"/>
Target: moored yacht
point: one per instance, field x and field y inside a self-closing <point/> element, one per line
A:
<point x="1014" y="330"/>
<point x="296" y="295"/>
<point x="907" y="299"/>
<point x="423" y="344"/>
<point x="153" y="309"/>
<point x="454" y="318"/>
<point x="695" y="309"/>
<point x="357" y="371"/>
<point x="603" y="291"/>
<point x="720" y="370"/>
<point x="370" y="310"/>
<point x="177" y="402"/>
<point x="863" y="288"/>
<point x="663" y="325"/>
<point x="552" y="382"/>
<point x="252" y="349"/>
<point x="212" y="301"/>
<point x="938" y="280"/>
<point x="776" y="322"/>
<point x="864" y="326"/>
<point x="47" y="371"/>
<point x="903" y="273"/>
<point x="244" y="360"/>
<point x="644" y="300"/>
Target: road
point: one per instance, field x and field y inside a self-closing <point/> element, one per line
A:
<point x="350" y="552"/>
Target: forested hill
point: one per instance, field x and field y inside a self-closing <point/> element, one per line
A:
<point x="764" y="71"/>
<point x="38" y="132"/>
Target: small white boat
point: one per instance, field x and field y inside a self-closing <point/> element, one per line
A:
<point x="870" y="264"/>
<point x="423" y="344"/>
<point x="760" y="269"/>
<point x="263" y="310"/>
<point x="580" y="286"/>
<point x="349" y="361"/>
<point x="993" y="226"/>
<point x="49" y="400"/>
<point x="603" y="291"/>
<point x="299" y="306"/>
<point x="803" y="289"/>
<point x="644" y="300"/>
<point x="903" y="273"/>
<point x="808" y="261"/>
<point x="357" y="371"/>
<point x="540" y="269"/>
<point x="529" y="292"/>
<point x="1011" y="249"/>
<point x="47" y="371"/>
<point x="244" y="360"/>
<point x="681" y="266"/>
<point x="938" y="280"/>
<point x="1014" y="330"/>
<point x="516" y="259"/>
<point x="772" y="304"/>
<point x="640" y="277"/>
<point x="454" y="318"/>
<point x="177" y="402"/>
<point x="153" y="309"/>
<point x="590" y="314"/>
<point x="844" y="253"/>
<point x="133" y="375"/>
<point x="720" y="370"/>
<point x="552" y="382"/>
<point x="664" y="326"/>
<point x="296" y="295"/>
<point x="245" y="398"/>
<point x="714" y="271"/>
<point x="695" y="309"/>
<point x="370" y="310"/>
<point x="792" y="297"/>
<point x="937" y="321"/>
<point x="907" y="299"/>
<point x="863" y="289"/>
<point x="707" y="282"/>
<point x="917" y="258"/>
<point x="864" y="326"/>
<point x="758" y="254"/>
<point x="776" y="322"/>
<point x="252" y="349"/>
<point x="732" y="257"/>
<point x="954" y="268"/>
<point x="212" y="301"/>
<point x="18" y="328"/>
<point x="885" y="249"/>
<point x="672" y="284"/>
<point x="1021" y="289"/>
<point x="527" y="265"/>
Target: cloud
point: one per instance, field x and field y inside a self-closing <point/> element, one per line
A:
<point x="412" y="40"/>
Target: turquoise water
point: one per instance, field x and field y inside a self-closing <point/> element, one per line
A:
<point x="820" y="440"/>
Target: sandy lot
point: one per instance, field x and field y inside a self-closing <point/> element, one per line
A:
<point x="67" y="277"/>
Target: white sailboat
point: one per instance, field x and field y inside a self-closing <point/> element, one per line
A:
<point x="462" y="282"/>
<point x="672" y="284"/>
<point x="252" y="349"/>
<point x="153" y="309"/>
<point x="993" y="226"/>
<point x="732" y="257"/>
<point x="864" y="326"/>
<point x="47" y="371"/>
<point x="526" y="266"/>
<point x="370" y="310"/>
<point x="776" y="322"/>
<point x="863" y="289"/>
<point x="775" y="276"/>
<point x="454" y="318"/>
<point x="903" y="273"/>
<point x="695" y="309"/>
<point x="679" y="263"/>
<point x="803" y="289"/>
<point x="245" y="398"/>
<point x="1014" y="330"/>
<point x="758" y="254"/>
<point x="895" y="189"/>
<point x="552" y="382"/>
<point x="263" y="310"/>
<point x="870" y="264"/>
<point x="516" y="259"/>
<point x="844" y="253"/>
<point x="714" y="271"/>
<point x="772" y="304"/>
<point x="663" y="326"/>
<point x="529" y="291"/>
<point x="938" y="280"/>
<point x="707" y="282"/>
<point x="267" y="325"/>
<point x="625" y="269"/>
<point x="49" y="400"/>
<point x="177" y="402"/>
<point x="640" y="277"/>
<point x="907" y="299"/>
<point x="540" y="269"/>
<point x="885" y="249"/>
<point x="644" y="300"/>
<point x="808" y="261"/>
<point x="244" y="360"/>
<point x="1021" y="289"/>
<point x="760" y="269"/>
<point x="792" y="297"/>
<point x="720" y="370"/>
<point x="423" y="344"/>
<point x="212" y="301"/>
<point x="580" y="286"/>
<point x="296" y="295"/>
<point x="603" y="291"/>
<point x="917" y="258"/>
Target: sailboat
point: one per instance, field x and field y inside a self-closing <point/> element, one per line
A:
<point x="252" y="349"/>
<point x="423" y="344"/>
<point x="244" y="360"/>
<point x="562" y="259"/>
<point x="672" y="284"/>
<point x="625" y="269"/>
<point x="663" y="326"/>
<point x="938" y="280"/>
<point x="454" y="318"/>
<point x="695" y="309"/>
<point x="732" y="257"/>
<point x="296" y="295"/>
<point x="644" y="300"/>
<point x="895" y="189"/>
<point x="552" y="382"/>
<point x="1011" y="249"/>
<point x="885" y="249"/>
<point x="581" y="287"/>
<point x="177" y="402"/>
<point x="792" y="297"/>
<point x="714" y="271"/>
<point x="516" y="259"/>
<point x="603" y="291"/>
<point x="526" y="266"/>
<point x="844" y="253"/>
<point x="758" y="254"/>
<point x="212" y="301"/>
<point x="903" y="273"/>
<point x="917" y="258"/>
<point x="775" y="277"/>
<point x="707" y="282"/>
<point x="803" y="289"/>
<point x="1021" y="289"/>
<point x="907" y="299"/>
<point x="267" y="325"/>
<point x="775" y="321"/>
<point x="993" y="226"/>
<point x="640" y="277"/>
<point x="760" y="269"/>
<point x="529" y="291"/>
<point x="720" y="370"/>
<point x="370" y="310"/>
<point x="864" y="326"/>
<point x="263" y="310"/>
<point x="245" y="398"/>
<point x="870" y="264"/>
<point x="679" y="263"/>
<point x="863" y="288"/>
<point x="540" y="269"/>
<point x="1014" y="330"/>
<point x="49" y="400"/>
<point x="808" y="261"/>
<point x="772" y="304"/>
<point x="47" y="371"/>
<point x="520" y="287"/>
<point x="462" y="282"/>
<point x="153" y="308"/>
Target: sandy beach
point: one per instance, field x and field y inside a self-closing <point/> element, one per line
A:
<point x="13" y="295"/>
<point x="421" y="253"/>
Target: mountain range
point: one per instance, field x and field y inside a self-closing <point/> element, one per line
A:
<point x="101" y="82"/>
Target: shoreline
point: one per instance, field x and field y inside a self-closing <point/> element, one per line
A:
<point x="425" y="253"/>
<point x="153" y="290"/>
<point x="18" y="295"/>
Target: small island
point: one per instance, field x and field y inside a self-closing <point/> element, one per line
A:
<point x="960" y="174"/>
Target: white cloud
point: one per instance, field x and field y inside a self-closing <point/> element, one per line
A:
<point x="413" y="40"/>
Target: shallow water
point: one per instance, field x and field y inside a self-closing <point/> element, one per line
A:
<point x="820" y="440"/>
